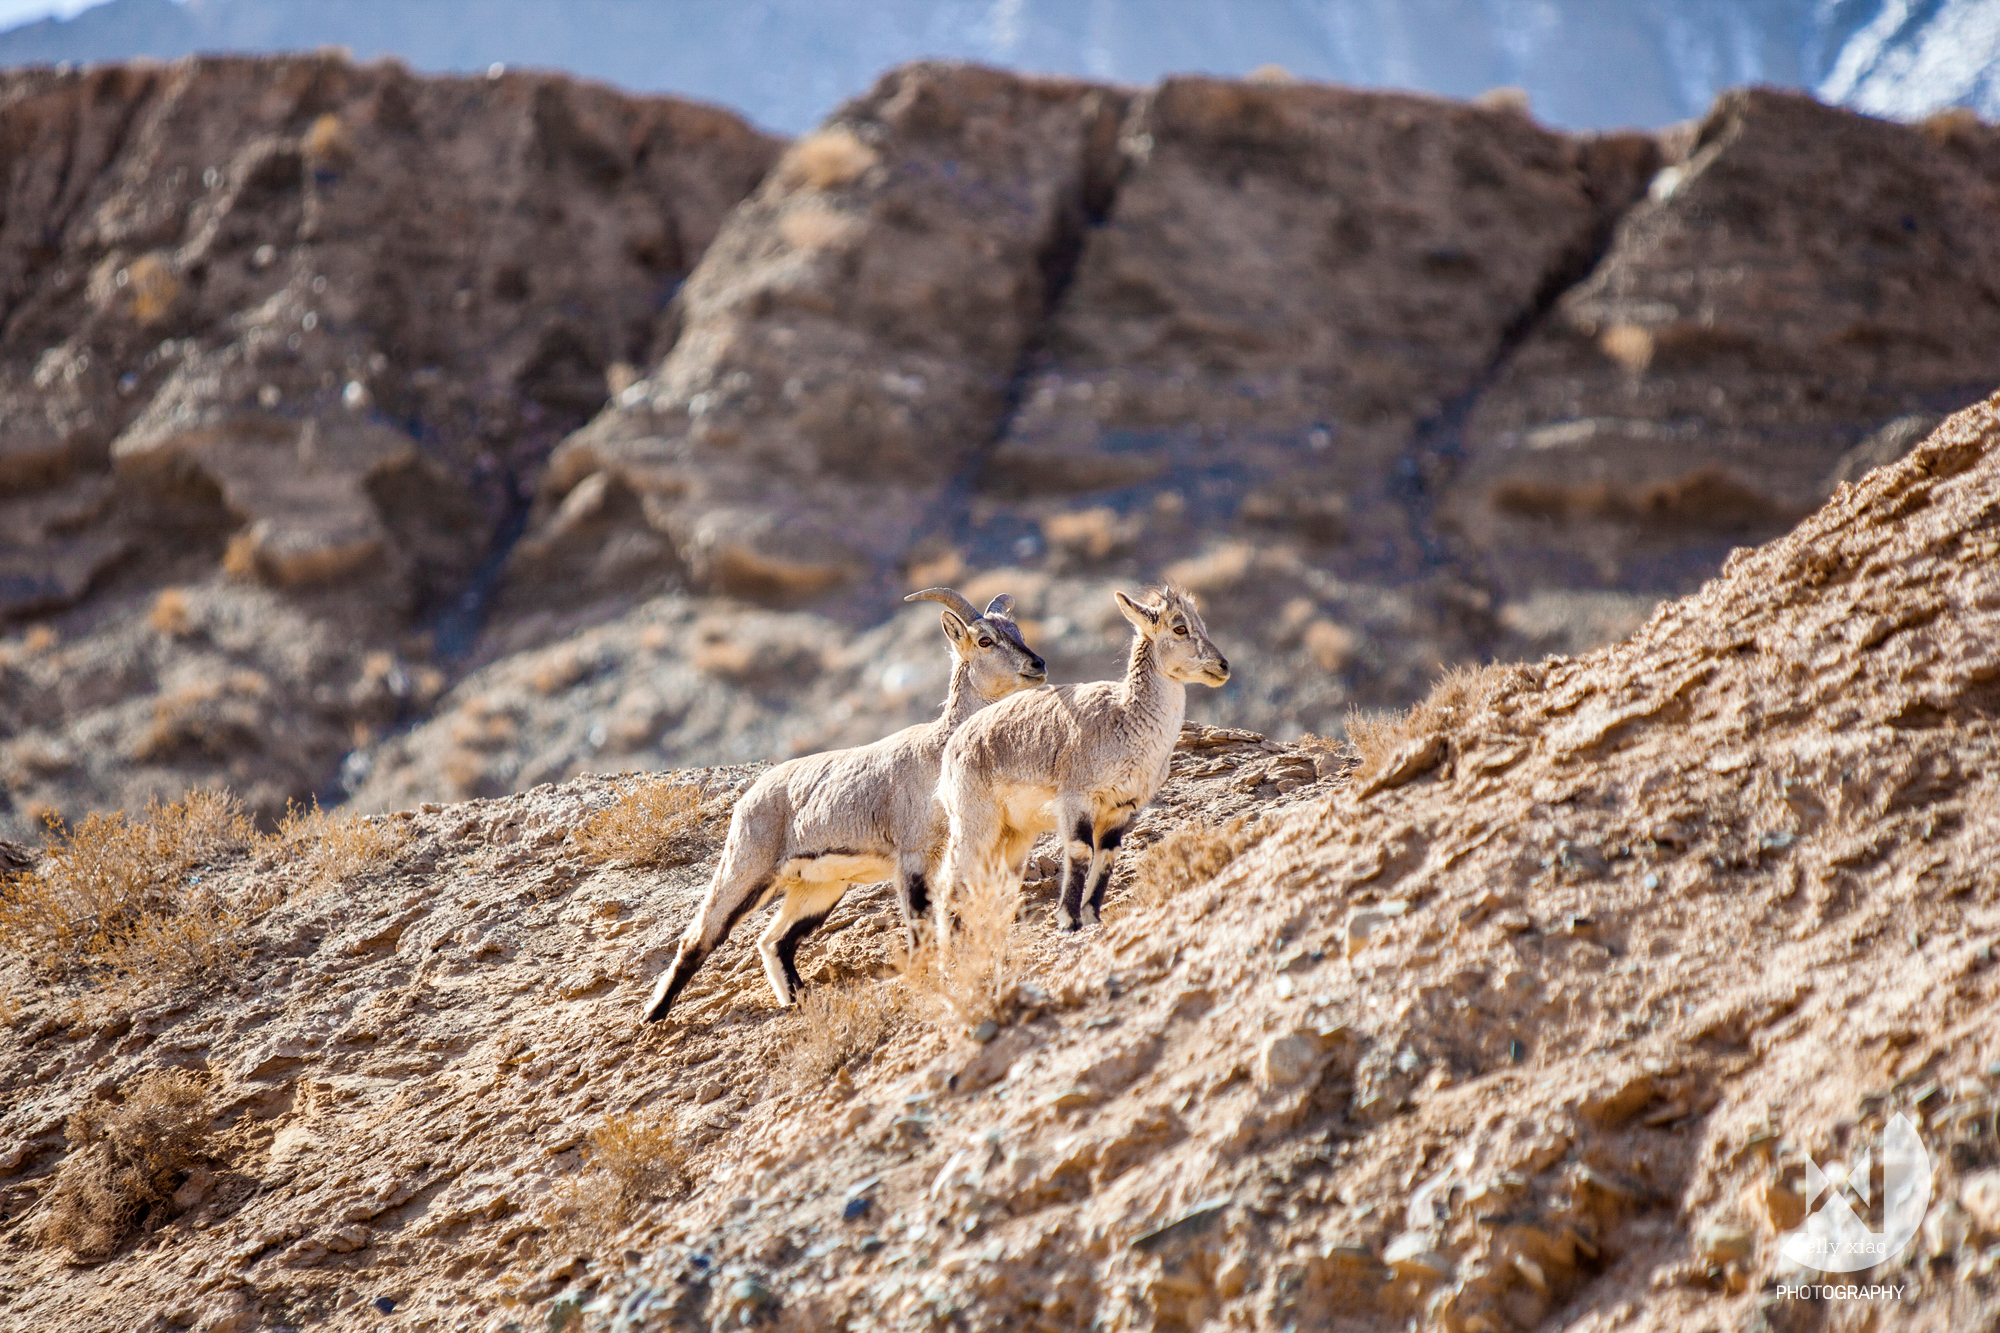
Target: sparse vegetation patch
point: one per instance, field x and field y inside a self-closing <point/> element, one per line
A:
<point x="630" y="1161"/>
<point x="125" y="896"/>
<point x="1190" y="855"/>
<point x="1460" y="692"/>
<point x="659" y="824"/>
<point x="973" y="974"/>
<point x="837" y="1024"/>
<point x="328" y="849"/>
<point x="125" y="1161"/>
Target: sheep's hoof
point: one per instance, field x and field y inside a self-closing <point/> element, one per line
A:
<point x="1089" y="916"/>
<point x="1067" y="925"/>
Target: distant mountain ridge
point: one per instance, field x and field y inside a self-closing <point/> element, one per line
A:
<point x="787" y="63"/>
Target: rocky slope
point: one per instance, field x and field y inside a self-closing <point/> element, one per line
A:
<point x="1533" y="1019"/>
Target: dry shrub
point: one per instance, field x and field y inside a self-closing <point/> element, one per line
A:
<point x="1213" y="571"/>
<point x="1629" y="345"/>
<point x="239" y="558"/>
<point x="835" y="1024"/>
<point x="327" y="142"/>
<point x="814" y="228"/>
<point x="118" y="894"/>
<point x="935" y="566"/>
<point x="658" y="825"/>
<point x="558" y="670"/>
<point x="151" y="287"/>
<point x="206" y="718"/>
<point x="170" y="612"/>
<point x="829" y="158"/>
<point x="123" y="1161"/>
<point x="1092" y="534"/>
<point x="631" y="1160"/>
<point x="328" y="850"/>
<point x="1190" y="855"/>
<point x="1331" y="646"/>
<point x="1460" y="691"/>
<point x="974" y="973"/>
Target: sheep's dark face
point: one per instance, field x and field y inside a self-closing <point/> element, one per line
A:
<point x="992" y="646"/>
<point x="1182" y="649"/>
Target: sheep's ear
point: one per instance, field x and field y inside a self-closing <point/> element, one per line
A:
<point x="955" y="630"/>
<point x="1144" y="618"/>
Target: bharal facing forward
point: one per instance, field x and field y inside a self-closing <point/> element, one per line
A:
<point x="1081" y="759"/>
<point x="813" y="826"/>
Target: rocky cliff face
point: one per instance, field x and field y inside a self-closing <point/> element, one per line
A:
<point x="1391" y="382"/>
<point x="1762" y="327"/>
<point x="1542" y="1016"/>
<point x="283" y="342"/>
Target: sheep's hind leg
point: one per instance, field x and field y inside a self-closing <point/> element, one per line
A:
<point x="807" y="904"/>
<point x="728" y="904"/>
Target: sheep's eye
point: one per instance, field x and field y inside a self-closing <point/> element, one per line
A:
<point x="986" y="643"/>
<point x="1181" y="630"/>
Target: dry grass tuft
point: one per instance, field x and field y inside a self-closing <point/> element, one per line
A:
<point x="1092" y="534"/>
<point x="151" y="287"/>
<point x="170" y="612"/>
<point x="1458" y="693"/>
<point x="239" y="559"/>
<point x="827" y="159"/>
<point x="1213" y="571"/>
<point x="119" y="895"/>
<point x="328" y="850"/>
<point x="631" y="1160"/>
<point x="658" y="825"/>
<point x="327" y="142"/>
<point x="1331" y="646"/>
<point x="124" y="1162"/>
<point x="813" y="228"/>
<point x="973" y="974"/>
<point x="836" y="1024"/>
<point x="1190" y="855"/>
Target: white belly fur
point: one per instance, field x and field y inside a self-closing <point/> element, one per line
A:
<point x="846" y="868"/>
<point x="1028" y="808"/>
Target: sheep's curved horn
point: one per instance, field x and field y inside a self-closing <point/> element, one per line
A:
<point x="1003" y="605"/>
<point x="966" y="610"/>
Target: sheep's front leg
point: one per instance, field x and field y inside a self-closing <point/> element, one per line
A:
<point x="1101" y="862"/>
<point x="913" y="896"/>
<point x="1073" y="825"/>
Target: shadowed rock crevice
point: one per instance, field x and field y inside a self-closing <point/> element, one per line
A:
<point x="1616" y="171"/>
